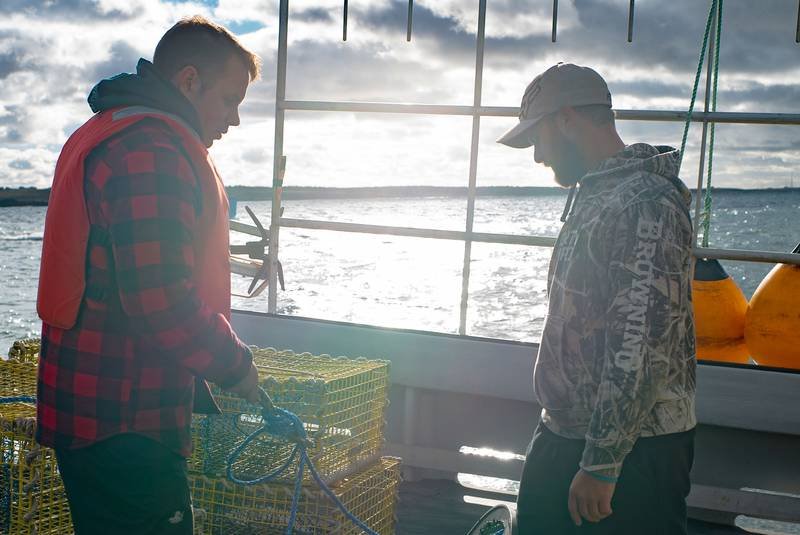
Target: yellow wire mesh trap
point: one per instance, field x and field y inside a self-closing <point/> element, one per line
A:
<point x="25" y="350"/>
<point x="17" y="378"/>
<point x="232" y="509"/>
<point x="32" y="497"/>
<point x="341" y="402"/>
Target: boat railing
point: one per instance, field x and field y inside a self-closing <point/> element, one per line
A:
<point x="741" y="255"/>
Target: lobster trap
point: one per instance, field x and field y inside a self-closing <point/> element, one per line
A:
<point x="32" y="496"/>
<point x="230" y="509"/>
<point x="17" y="378"/>
<point x="341" y="402"/>
<point x="25" y="350"/>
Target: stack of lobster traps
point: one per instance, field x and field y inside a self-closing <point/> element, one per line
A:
<point x="32" y="497"/>
<point x="341" y="403"/>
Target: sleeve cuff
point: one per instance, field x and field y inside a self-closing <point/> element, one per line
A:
<point x="600" y="477"/>
<point x="602" y="463"/>
<point x="240" y="372"/>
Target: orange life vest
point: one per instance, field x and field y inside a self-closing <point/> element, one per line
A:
<point x="62" y="273"/>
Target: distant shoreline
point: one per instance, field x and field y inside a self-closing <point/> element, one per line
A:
<point x="30" y="196"/>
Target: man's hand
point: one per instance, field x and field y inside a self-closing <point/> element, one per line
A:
<point x="589" y="498"/>
<point x="247" y="388"/>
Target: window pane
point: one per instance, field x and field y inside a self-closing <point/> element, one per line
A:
<point x="377" y="280"/>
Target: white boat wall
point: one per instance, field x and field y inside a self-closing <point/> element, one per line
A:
<point x="450" y="391"/>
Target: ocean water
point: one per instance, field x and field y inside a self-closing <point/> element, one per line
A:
<point x="411" y="282"/>
<point x="416" y="283"/>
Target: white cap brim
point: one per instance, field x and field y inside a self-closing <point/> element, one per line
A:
<point x="519" y="137"/>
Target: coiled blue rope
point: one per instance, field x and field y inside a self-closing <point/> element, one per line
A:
<point x="287" y="426"/>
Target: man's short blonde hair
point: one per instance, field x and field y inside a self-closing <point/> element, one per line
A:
<point x="203" y="44"/>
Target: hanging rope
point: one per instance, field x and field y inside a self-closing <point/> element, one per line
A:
<point x="707" y="198"/>
<point x="696" y="82"/>
<point x="287" y="426"/>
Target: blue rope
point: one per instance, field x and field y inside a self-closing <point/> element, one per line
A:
<point x="18" y="399"/>
<point x="287" y="426"/>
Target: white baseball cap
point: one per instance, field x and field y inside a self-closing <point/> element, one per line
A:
<point x="563" y="84"/>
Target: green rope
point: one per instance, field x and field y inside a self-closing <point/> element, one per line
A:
<point x="696" y="82"/>
<point x="707" y="199"/>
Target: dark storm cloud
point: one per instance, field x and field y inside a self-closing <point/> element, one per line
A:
<point x="757" y="45"/>
<point x="9" y="63"/>
<point x="758" y="50"/>
<point x="313" y="15"/>
<point x="442" y="33"/>
<point x="122" y="58"/>
<point x="758" y="37"/>
<point x="61" y="9"/>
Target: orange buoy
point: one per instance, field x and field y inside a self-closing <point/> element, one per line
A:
<point x="772" y="324"/>
<point x="719" y="312"/>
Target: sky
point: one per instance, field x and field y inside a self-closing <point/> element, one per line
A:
<point x="53" y="51"/>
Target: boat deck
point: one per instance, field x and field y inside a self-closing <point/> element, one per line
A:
<point x="437" y="506"/>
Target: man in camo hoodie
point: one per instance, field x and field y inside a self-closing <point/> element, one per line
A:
<point x="615" y="374"/>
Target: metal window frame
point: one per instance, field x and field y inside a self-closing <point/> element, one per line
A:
<point x="476" y="111"/>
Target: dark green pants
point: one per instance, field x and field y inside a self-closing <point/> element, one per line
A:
<point x="650" y="496"/>
<point x="127" y="484"/>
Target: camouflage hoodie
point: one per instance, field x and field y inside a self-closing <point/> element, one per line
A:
<point x="617" y="357"/>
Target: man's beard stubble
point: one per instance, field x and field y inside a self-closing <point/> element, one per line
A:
<point x="568" y="163"/>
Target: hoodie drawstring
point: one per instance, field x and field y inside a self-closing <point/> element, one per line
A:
<point x="568" y="206"/>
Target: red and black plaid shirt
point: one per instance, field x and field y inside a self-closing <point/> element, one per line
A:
<point x="128" y="364"/>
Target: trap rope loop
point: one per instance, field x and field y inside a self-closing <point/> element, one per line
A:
<point x="286" y="426"/>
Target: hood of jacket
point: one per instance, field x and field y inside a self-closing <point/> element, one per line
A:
<point x="660" y="160"/>
<point x="144" y="88"/>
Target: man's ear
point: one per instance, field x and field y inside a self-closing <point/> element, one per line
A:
<point x="566" y="121"/>
<point x="187" y="80"/>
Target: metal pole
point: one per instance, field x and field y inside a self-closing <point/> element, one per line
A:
<point x="555" y="20"/>
<point x="410" y="18"/>
<point x="513" y="111"/>
<point x="473" y="164"/>
<point x="630" y="22"/>
<point x="797" y="33"/>
<point x="709" y="72"/>
<point x="277" y="158"/>
<point x="344" y="21"/>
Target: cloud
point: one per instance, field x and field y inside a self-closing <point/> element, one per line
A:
<point x="20" y="164"/>
<point x="73" y="10"/>
<point x="32" y="166"/>
<point x="122" y="57"/>
<point x="8" y="64"/>
<point x="315" y="15"/>
<point x="52" y="53"/>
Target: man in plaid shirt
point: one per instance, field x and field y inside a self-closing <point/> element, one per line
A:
<point x="118" y="376"/>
